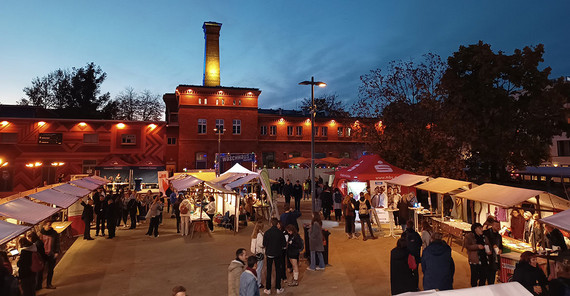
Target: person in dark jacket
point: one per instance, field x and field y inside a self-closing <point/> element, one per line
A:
<point x="176" y="211"/>
<point x="87" y="217"/>
<point x="327" y="202"/>
<point x="402" y="277"/>
<point x="294" y="248"/>
<point x="560" y="286"/>
<point x="111" y="215"/>
<point x="517" y="225"/>
<point x="287" y="191"/>
<point x="132" y="206"/>
<point x="554" y="238"/>
<point x="27" y="276"/>
<point x="274" y="242"/>
<point x="403" y="212"/>
<point x="529" y="275"/>
<point x="298" y="194"/>
<point x="437" y="265"/>
<point x="413" y="240"/>
<point x="35" y="239"/>
<point x="290" y="216"/>
<point x="478" y="257"/>
<point x="100" y="206"/>
<point x="496" y="242"/>
<point x="316" y="245"/>
<point x="50" y="237"/>
<point x="364" y="215"/>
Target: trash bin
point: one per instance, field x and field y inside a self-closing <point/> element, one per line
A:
<point x="307" y="254"/>
<point x="138" y="184"/>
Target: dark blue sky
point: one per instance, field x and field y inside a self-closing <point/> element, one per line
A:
<point x="267" y="44"/>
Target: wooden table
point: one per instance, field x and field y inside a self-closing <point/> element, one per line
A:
<point x="456" y="229"/>
<point x="262" y="211"/>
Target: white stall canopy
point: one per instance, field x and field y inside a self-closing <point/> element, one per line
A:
<point x="72" y="190"/>
<point x="219" y="188"/>
<point x="85" y="184"/>
<point x="25" y="210"/>
<point x="506" y="196"/>
<point x="97" y="180"/>
<point x="185" y="182"/>
<point x="443" y="185"/>
<point x="242" y="181"/>
<point x="54" y="197"/>
<point x="560" y="220"/>
<point x="8" y="231"/>
<point x="512" y="288"/>
<point x="408" y="180"/>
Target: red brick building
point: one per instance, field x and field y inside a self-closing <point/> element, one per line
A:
<point x="194" y="111"/>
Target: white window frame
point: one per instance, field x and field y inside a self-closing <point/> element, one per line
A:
<point x="202" y="126"/>
<point x="236" y="126"/>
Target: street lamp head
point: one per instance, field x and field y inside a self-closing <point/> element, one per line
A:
<point x="321" y="84"/>
<point x="305" y="82"/>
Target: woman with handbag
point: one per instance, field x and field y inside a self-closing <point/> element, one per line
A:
<point x="294" y="247"/>
<point x="403" y="265"/>
<point x="257" y="249"/>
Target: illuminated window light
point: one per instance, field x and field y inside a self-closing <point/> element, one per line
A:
<point x="120" y="125"/>
<point x="4" y="123"/>
<point x="41" y="123"/>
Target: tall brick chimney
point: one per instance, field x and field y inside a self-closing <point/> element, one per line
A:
<point x="212" y="53"/>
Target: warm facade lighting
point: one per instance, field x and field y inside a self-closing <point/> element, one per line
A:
<point x="56" y="164"/>
<point x="82" y="124"/>
<point x="152" y="126"/>
<point x="4" y="123"/>
<point x="41" y="123"/>
<point x="333" y="122"/>
<point x="120" y="125"/>
<point x="308" y="121"/>
<point x="37" y="164"/>
<point x="281" y="121"/>
<point x="4" y="164"/>
<point x="34" y="164"/>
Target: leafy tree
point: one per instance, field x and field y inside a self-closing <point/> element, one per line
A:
<point x="502" y="108"/>
<point x="407" y="101"/>
<point x="330" y="104"/>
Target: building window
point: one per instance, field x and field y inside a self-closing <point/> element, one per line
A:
<point x="202" y="125"/>
<point x="8" y="138"/>
<point x="563" y="148"/>
<point x="236" y="126"/>
<point x="200" y="101"/>
<point x="234" y="102"/>
<point x="263" y="130"/>
<point x="171" y="141"/>
<point x="217" y="102"/>
<point x="128" y="139"/>
<point x="205" y="101"/>
<point x="324" y="131"/>
<point x="340" y="131"/>
<point x="268" y="159"/>
<point x="201" y="160"/>
<point x="299" y="131"/>
<point x="239" y="102"/>
<point x="289" y="131"/>
<point x="273" y="130"/>
<point x="316" y="130"/>
<point x="50" y="138"/>
<point x="223" y="101"/>
<point x="348" y="131"/>
<point x="219" y="126"/>
<point x="89" y="166"/>
<point x="90" y="138"/>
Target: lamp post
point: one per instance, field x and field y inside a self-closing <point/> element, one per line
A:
<point x="219" y="143"/>
<point x="312" y="83"/>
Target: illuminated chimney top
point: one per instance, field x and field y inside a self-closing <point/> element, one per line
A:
<point x="212" y="53"/>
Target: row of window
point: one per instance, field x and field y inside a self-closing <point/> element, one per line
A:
<point x="57" y="138"/>
<point x="298" y="131"/>
<point x="203" y="126"/>
<point x="218" y="101"/>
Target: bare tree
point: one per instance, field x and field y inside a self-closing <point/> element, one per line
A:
<point x="150" y="106"/>
<point x="128" y="104"/>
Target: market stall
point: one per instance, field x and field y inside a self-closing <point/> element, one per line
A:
<point x="408" y="181"/>
<point x="513" y="288"/>
<point x="27" y="211"/>
<point x="560" y="220"/>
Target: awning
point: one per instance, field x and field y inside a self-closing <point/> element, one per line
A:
<point x="25" y="210"/>
<point x="97" y="180"/>
<point x="408" y="180"/>
<point x="296" y="160"/>
<point x="241" y="181"/>
<point x="220" y="188"/>
<point x="512" y="288"/>
<point x="239" y="169"/>
<point x="54" y="197"/>
<point x="506" y="196"/>
<point x="560" y="220"/>
<point x="85" y="184"/>
<point x="443" y="185"/>
<point x="185" y="183"/>
<point x="8" y="231"/>
<point x="72" y="190"/>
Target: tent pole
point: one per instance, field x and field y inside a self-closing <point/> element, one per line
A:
<point x="441" y="195"/>
<point x="539" y="217"/>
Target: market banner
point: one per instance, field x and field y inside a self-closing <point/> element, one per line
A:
<point x="266" y="184"/>
<point x="162" y="181"/>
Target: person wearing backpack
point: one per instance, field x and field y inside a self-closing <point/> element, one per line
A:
<point x="364" y="214"/>
<point x="295" y="245"/>
<point x="27" y="276"/>
<point x="41" y="255"/>
<point x="185" y="219"/>
<point x="50" y="237"/>
<point x="337" y="204"/>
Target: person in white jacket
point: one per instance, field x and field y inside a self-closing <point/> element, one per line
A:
<point x="257" y="248"/>
<point x="185" y="208"/>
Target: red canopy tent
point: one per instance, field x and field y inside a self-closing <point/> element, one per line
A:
<point x="366" y="168"/>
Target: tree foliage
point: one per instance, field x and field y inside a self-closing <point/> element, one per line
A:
<point x="502" y="108"/>
<point x="330" y="104"/>
<point x="407" y="100"/>
<point x="144" y="106"/>
<point x="74" y="93"/>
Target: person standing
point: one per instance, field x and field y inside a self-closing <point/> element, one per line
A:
<point x="39" y="276"/>
<point x="274" y="242"/>
<point x="349" y="207"/>
<point x="427" y="231"/>
<point x="100" y="206"/>
<point x="171" y="200"/>
<point x="185" y="216"/>
<point x="290" y="216"/>
<point x="27" y="276"/>
<point x="517" y="225"/>
<point x="235" y="269"/>
<point x="257" y="248"/>
<point x="50" y="237"/>
<point x="403" y="211"/>
<point x="87" y="217"/>
<point x="132" y="206"/>
<point x="297" y="194"/>
<point x="247" y="281"/>
<point x="437" y="265"/>
<point x="211" y="211"/>
<point x="287" y="191"/>
<point x="402" y="267"/>
<point x="111" y="215"/>
<point x="294" y="248"/>
<point x="364" y="215"/>
<point x="176" y="210"/>
<point x="496" y="243"/>
<point x="529" y="275"/>
<point x="307" y="189"/>
<point x="154" y="215"/>
<point x="555" y="239"/>
<point x="413" y="240"/>
<point x="316" y="243"/>
<point x="337" y="204"/>
<point x="475" y="243"/>
<point x="560" y="286"/>
<point x="327" y="200"/>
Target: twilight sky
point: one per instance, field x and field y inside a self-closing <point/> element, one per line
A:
<point x="267" y="44"/>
